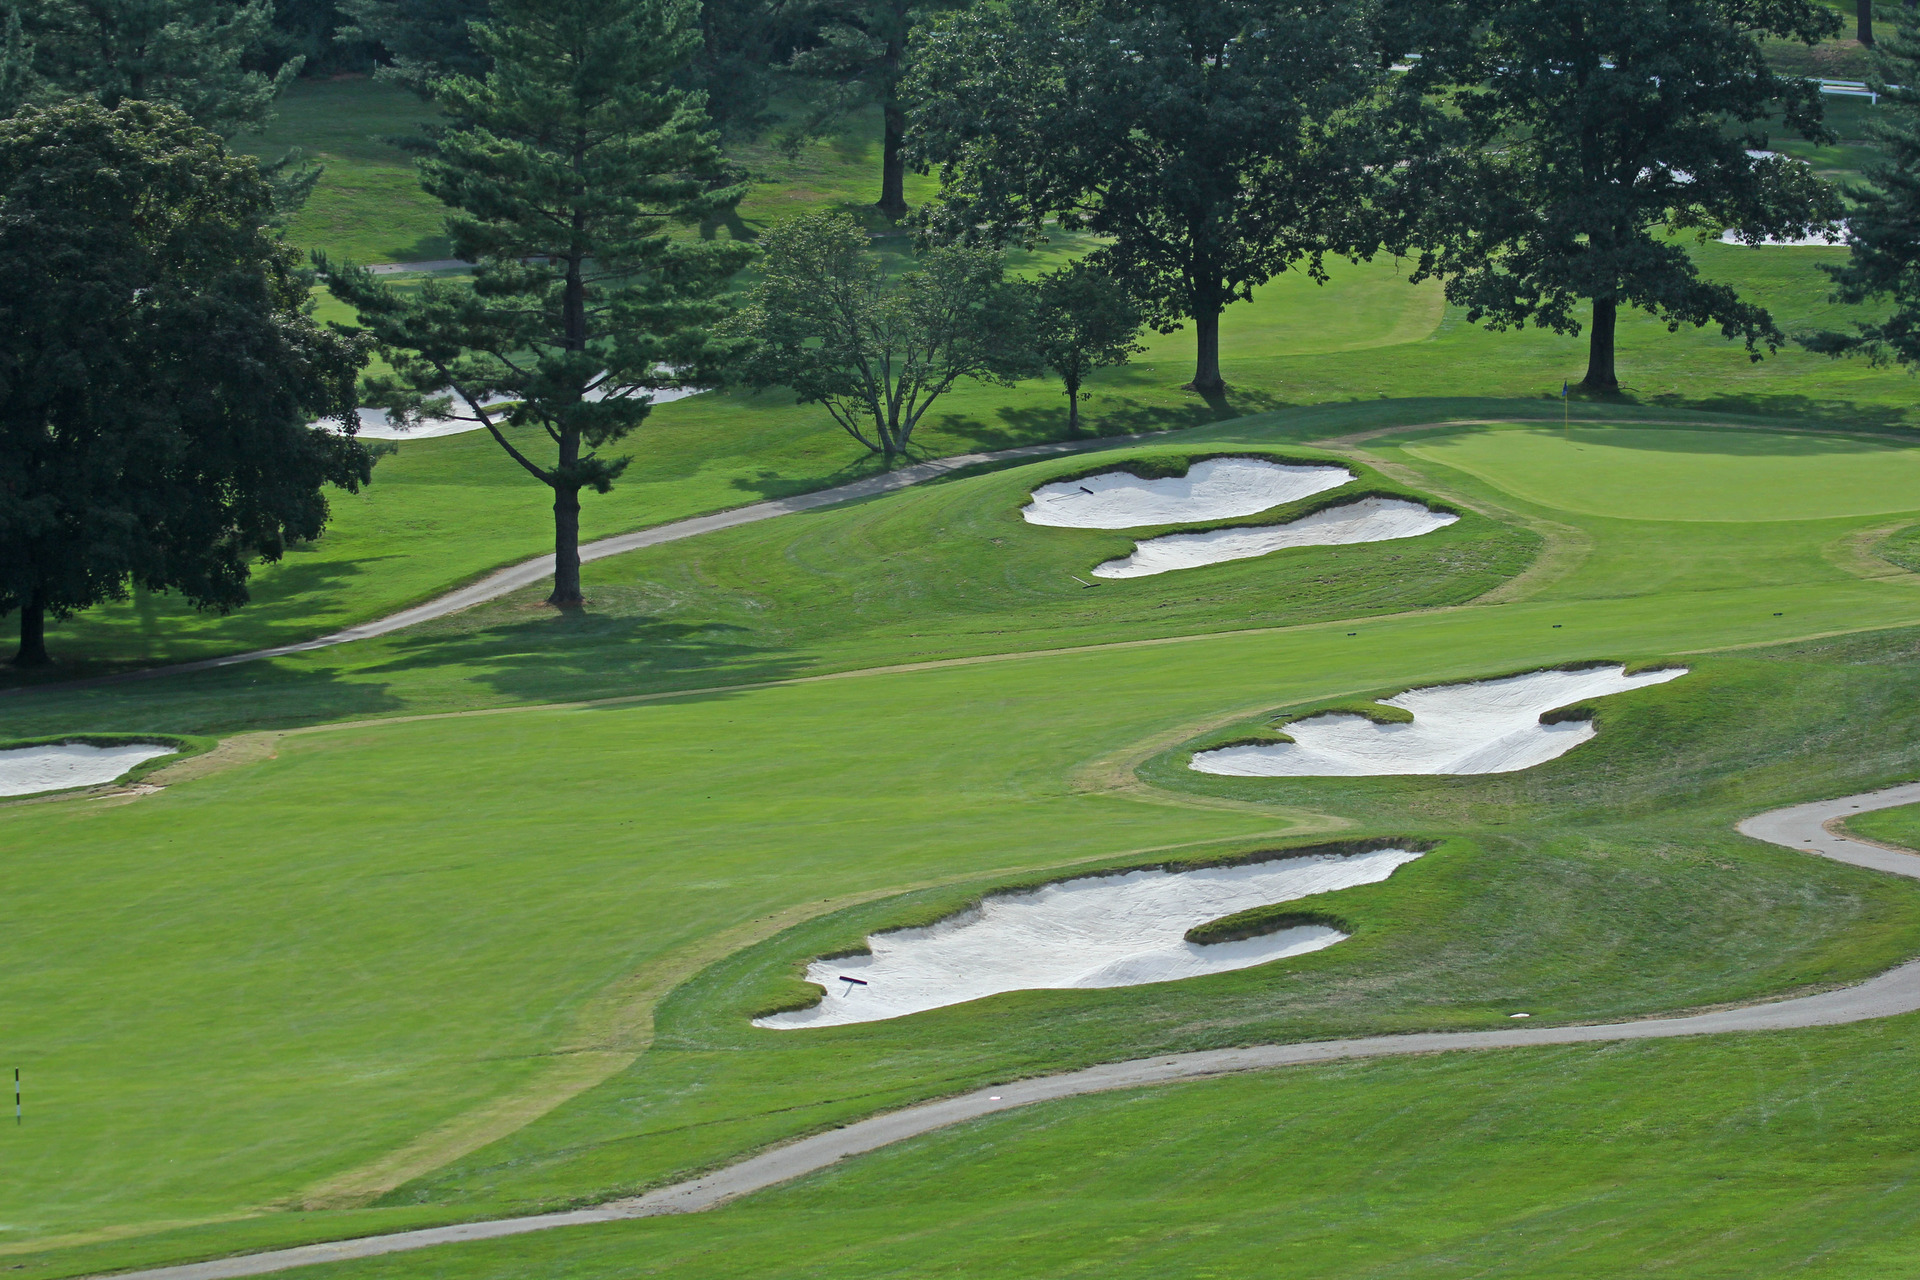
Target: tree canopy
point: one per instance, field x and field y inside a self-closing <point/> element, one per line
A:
<point x="188" y="53"/>
<point x="159" y="366"/>
<point x="566" y="169"/>
<point x="1570" y="140"/>
<point x="829" y="323"/>
<point x="1884" y="258"/>
<point x="1213" y="143"/>
<point x="1083" y="320"/>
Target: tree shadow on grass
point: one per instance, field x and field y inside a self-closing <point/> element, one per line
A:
<point x="583" y="655"/>
<point x="265" y="694"/>
<point x="1822" y="412"/>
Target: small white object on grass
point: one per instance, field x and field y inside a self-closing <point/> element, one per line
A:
<point x="1368" y="520"/>
<point x="1212" y="489"/>
<point x="1487" y="726"/>
<point x="1519" y="1015"/>
<point x="1119" y="930"/>
<point x="25" y="771"/>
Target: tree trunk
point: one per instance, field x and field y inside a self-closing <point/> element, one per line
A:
<point x="893" y="165"/>
<point x="566" y="549"/>
<point x="1600" y="349"/>
<point x="33" y="635"/>
<point x="1863" y="21"/>
<point x="1073" y="407"/>
<point x="1206" y="368"/>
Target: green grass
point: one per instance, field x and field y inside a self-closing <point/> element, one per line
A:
<point x="336" y="949"/>
<point x="367" y="207"/>
<point x="1899" y="826"/>
<point x="313" y="948"/>
<point x="445" y="511"/>
<point x="1789" y="1154"/>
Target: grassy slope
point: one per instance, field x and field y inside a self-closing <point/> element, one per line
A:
<point x="334" y="893"/>
<point x="1899" y="826"/>
<point x="1787" y="1154"/>
<point x="447" y="510"/>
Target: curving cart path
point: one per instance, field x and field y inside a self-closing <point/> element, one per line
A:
<point x="527" y="573"/>
<point x="1804" y="827"/>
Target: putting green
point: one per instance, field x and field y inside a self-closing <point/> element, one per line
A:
<point x="1673" y="473"/>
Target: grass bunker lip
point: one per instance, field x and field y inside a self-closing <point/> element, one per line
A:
<point x="1113" y="929"/>
<point x="1212" y="489"/>
<point x="1478" y="726"/>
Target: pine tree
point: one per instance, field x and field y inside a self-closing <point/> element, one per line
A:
<point x="566" y="169"/>
<point x="188" y="53"/>
<point x="1885" y="259"/>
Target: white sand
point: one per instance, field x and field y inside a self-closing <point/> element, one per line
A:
<point x="26" y="770"/>
<point x="1097" y="931"/>
<point x="1795" y="242"/>
<point x="1368" y="520"/>
<point x="374" y="424"/>
<point x="1490" y="726"/>
<point x="1212" y="489"/>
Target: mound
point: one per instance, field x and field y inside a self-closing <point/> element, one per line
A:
<point x="1489" y="726"/>
<point x="1212" y="489"/>
<point x="26" y="770"/>
<point x="1368" y="520"/>
<point x="1096" y="931"/>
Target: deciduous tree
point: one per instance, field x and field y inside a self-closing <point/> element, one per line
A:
<point x="829" y="323"/>
<point x="1213" y="143"/>
<point x="1083" y="320"/>
<point x="566" y="169"/>
<point x="159" y="364"/>
<point x="1576" y="136"/>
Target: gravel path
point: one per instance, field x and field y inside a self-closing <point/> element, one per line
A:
<point x="531" y="572"/>
<point x="1801" y="827"/>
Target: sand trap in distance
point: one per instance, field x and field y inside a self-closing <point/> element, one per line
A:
<point x="26" y="770"/>
<point x="1488" y="726"/>
<point x="375" y="425"/>
<point x="1212" y="489"/>
<point x="1368" y="520"/>
<point x="1119" y="930"/>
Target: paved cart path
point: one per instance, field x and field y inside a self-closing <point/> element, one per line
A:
<point x="530" y="572"/>
<point x="1803" y="827"/>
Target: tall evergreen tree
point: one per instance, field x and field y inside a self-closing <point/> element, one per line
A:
<point x="159" y="364"/>
<point x="188" y="53"/>
<point x="856" y="55"/>
<point x="1213" y="143"/>
<point x="425" y="40"/>
<point x="1573" y="136"/>
<point x="566" y="169"/>
<point x="1884" y="263"/>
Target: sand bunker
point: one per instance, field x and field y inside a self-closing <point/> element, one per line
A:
<point x="1212" y="489"/>
<point x="1098" y="931"/>
<point x="375" y="425"/>
<point x="26" y="770"/>
<point x="1490" y="726"/>
<point x="1368" y="520"/>
<point x="1819" y="241"/>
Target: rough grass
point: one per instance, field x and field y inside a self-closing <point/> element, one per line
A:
<point x="1722" y="1158"/>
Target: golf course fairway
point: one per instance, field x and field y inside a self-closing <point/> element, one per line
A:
<point x="436" y="939"/>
